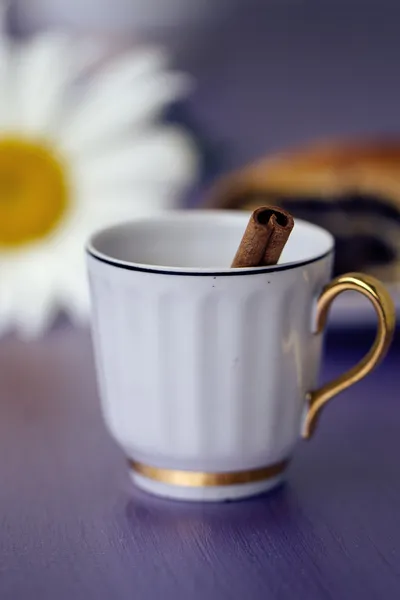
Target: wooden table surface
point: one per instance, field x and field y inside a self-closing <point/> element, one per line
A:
<point x="73" y="527"/>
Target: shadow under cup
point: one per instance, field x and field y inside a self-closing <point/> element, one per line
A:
<point x="205" y="371"/>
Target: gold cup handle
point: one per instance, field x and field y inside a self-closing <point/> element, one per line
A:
<point x="383" y="304"/>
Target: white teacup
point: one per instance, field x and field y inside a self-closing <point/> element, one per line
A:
<point x="207" y="374"/>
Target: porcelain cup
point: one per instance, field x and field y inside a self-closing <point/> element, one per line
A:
<point x="208" y="374"/>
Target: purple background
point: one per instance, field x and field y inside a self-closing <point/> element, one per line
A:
<point x="281" y="73"/>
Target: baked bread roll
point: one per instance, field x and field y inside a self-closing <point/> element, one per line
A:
<point x="351" y="188"/>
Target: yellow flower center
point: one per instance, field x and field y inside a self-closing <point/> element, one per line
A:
<point x="33" y="192"/>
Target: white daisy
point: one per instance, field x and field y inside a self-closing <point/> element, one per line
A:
<point x="74" y="158"/>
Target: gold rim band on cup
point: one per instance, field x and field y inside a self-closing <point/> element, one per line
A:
<point x="204" y="479"/>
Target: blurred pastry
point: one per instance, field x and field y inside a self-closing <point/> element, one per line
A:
<point x="351" y="188"/>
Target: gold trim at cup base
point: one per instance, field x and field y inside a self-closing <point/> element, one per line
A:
<point x="204" y="479"/>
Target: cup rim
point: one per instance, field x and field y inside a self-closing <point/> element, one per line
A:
<point x="170" y="215"/>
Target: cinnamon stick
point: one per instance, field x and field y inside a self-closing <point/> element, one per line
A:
<point x="266" y="234"/>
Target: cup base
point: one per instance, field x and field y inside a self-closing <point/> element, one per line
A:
<point x="206" y="494"/>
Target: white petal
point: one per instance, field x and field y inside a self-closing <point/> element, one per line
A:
<point x="41" y="73"/>
<point x="6" y="305"/>
<point x="125" y="69"/>
<point x="44" y="71"/>
<point x="87" y="53"/>
<point x="36" y="318"/>
<point x="114" y="207"/>
<point x="165" y="154"/>
<point x="73" y="288"/>
<point x="103" y="117"/>
<point x="29" y="282"/>
<point x="144" y="203"/>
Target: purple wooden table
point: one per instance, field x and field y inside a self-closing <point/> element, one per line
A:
<point x="73" y="527"/>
